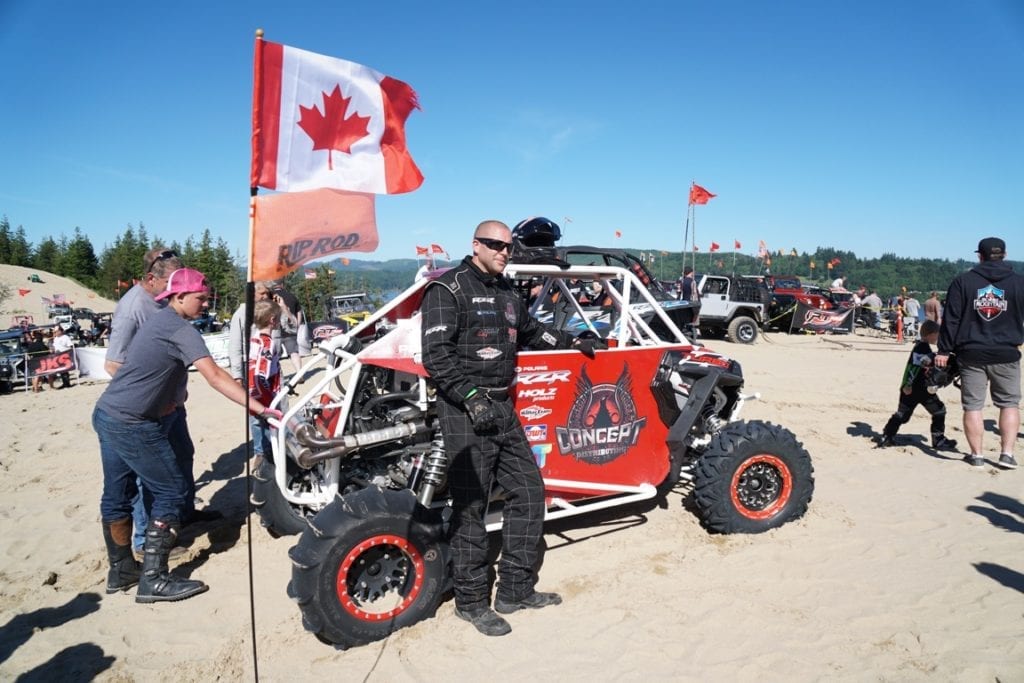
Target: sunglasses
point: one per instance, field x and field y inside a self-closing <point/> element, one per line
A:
<point x="495" y="245"/>
<point x="162" y="256"/>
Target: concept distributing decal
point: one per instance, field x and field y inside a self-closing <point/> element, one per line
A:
<point x="602" y="423"/>
<point x="991" y="301"/>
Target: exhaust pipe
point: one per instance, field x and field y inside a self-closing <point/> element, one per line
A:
<point x="307" y="438"/>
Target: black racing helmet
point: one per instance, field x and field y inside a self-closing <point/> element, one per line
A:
<point x="537" y="232"/>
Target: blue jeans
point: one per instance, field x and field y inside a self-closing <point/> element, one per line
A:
<point x="131" y="451"/>
<point x="175" y="427"/>
<point x="260" y="431"/>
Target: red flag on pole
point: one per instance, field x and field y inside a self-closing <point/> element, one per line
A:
<point x="736" y="244"/>
<point x="695" y="248"/>
<point x="698" y="195"/>
<point x="618" y="233"/>
<point x="422" y="251"/>
<point x="714" y="247"/>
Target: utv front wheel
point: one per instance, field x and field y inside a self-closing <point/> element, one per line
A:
<point x="371" y="562"/>
<point x="753" y="477"/>
<point x="742" y="330"/>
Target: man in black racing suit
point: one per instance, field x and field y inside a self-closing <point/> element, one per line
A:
<point x="473" y="324"/>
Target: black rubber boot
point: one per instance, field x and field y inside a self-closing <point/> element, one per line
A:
<point x="124" y="570"/>
<point x="157" y="583"/>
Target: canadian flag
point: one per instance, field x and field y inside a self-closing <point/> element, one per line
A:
<point x="323" y="122"/>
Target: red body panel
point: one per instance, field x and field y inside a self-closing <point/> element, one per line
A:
<point x="593" y="420"/>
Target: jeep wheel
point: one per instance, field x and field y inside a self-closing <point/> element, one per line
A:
<point x="753" y="477"/>
<point x="277" y="515"/>
<point x="742" y="330"/>
<point x="371" y="562"/>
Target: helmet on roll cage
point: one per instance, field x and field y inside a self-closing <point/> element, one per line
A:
<point x="537" y="231"/>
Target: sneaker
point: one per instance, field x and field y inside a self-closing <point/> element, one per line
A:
<point x="974" y="460"/>
<point x="485" y="620"/>
<point x="886" y="442"/>
<point x="1007" y="462"/>
<point x="941" y="443"/>
<point x="532" y="601"/>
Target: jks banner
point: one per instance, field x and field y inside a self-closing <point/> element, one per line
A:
<point x="52" y="364"/>
<point x="817" y="320"/>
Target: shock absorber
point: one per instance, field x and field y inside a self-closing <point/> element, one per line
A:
<point x="712" y="423"/>
<point x="435" y="465"/>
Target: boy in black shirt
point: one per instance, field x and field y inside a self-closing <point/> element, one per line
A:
<point x="914" y="391"/>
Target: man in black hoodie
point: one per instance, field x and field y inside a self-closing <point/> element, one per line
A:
<point x="983" y="325"/>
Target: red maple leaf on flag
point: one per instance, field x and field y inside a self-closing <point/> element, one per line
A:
<point x="331" y="130"/>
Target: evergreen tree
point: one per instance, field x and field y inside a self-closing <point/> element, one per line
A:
<point x="80" y="262"/>
<point x="47" y="256"/>
<point x="5" y="240"/>
<point x="21" y="249"/>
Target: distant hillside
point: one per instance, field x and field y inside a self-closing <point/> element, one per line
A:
<point x="26" y="297"/>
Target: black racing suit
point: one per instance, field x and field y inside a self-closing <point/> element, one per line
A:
<point x="473" y="324"/>
<point x="918" y="364"/>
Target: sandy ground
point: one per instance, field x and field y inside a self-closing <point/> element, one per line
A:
<point x="907" y="567"/>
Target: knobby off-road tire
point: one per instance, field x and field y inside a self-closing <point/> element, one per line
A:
<point x="742" y="330"/>
<point x="277" y="515"/>
<point x="371" y="562"/>
<point x="753" y="477"/>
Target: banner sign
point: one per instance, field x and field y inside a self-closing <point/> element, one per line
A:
<point x="818" y="320"/>
<point x="52" y="364"/>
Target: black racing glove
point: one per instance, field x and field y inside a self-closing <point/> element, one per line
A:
<point x="482" y="413"/>
<point x="588" y="346"/>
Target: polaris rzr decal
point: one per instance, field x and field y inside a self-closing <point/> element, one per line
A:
<point x="602" y="423"/>
<point x="990" y="302"/>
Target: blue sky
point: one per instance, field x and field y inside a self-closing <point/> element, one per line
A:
<point x="872" y="126"/>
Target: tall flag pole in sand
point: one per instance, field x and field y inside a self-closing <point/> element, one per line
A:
<point x="698" y="195"/>
<point x="327" y="135"/>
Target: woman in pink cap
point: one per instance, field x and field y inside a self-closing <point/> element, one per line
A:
<point x="133" y="444"/>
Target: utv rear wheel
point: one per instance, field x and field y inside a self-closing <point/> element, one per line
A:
<point x="277" y="515"/>
<point x="371" y="562"/>
<point x="753" y="477"/>
<point x="742" y="330"/>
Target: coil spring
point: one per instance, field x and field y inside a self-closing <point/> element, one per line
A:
<point x="436" y="463"/>
<point x="712" y="423"/>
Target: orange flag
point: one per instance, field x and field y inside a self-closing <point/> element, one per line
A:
<point x="292" y="228"/>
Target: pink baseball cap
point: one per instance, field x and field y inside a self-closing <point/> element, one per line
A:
<point x="184" y="281"/>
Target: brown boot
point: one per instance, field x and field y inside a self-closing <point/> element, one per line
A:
<point x="124" y="570"/>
